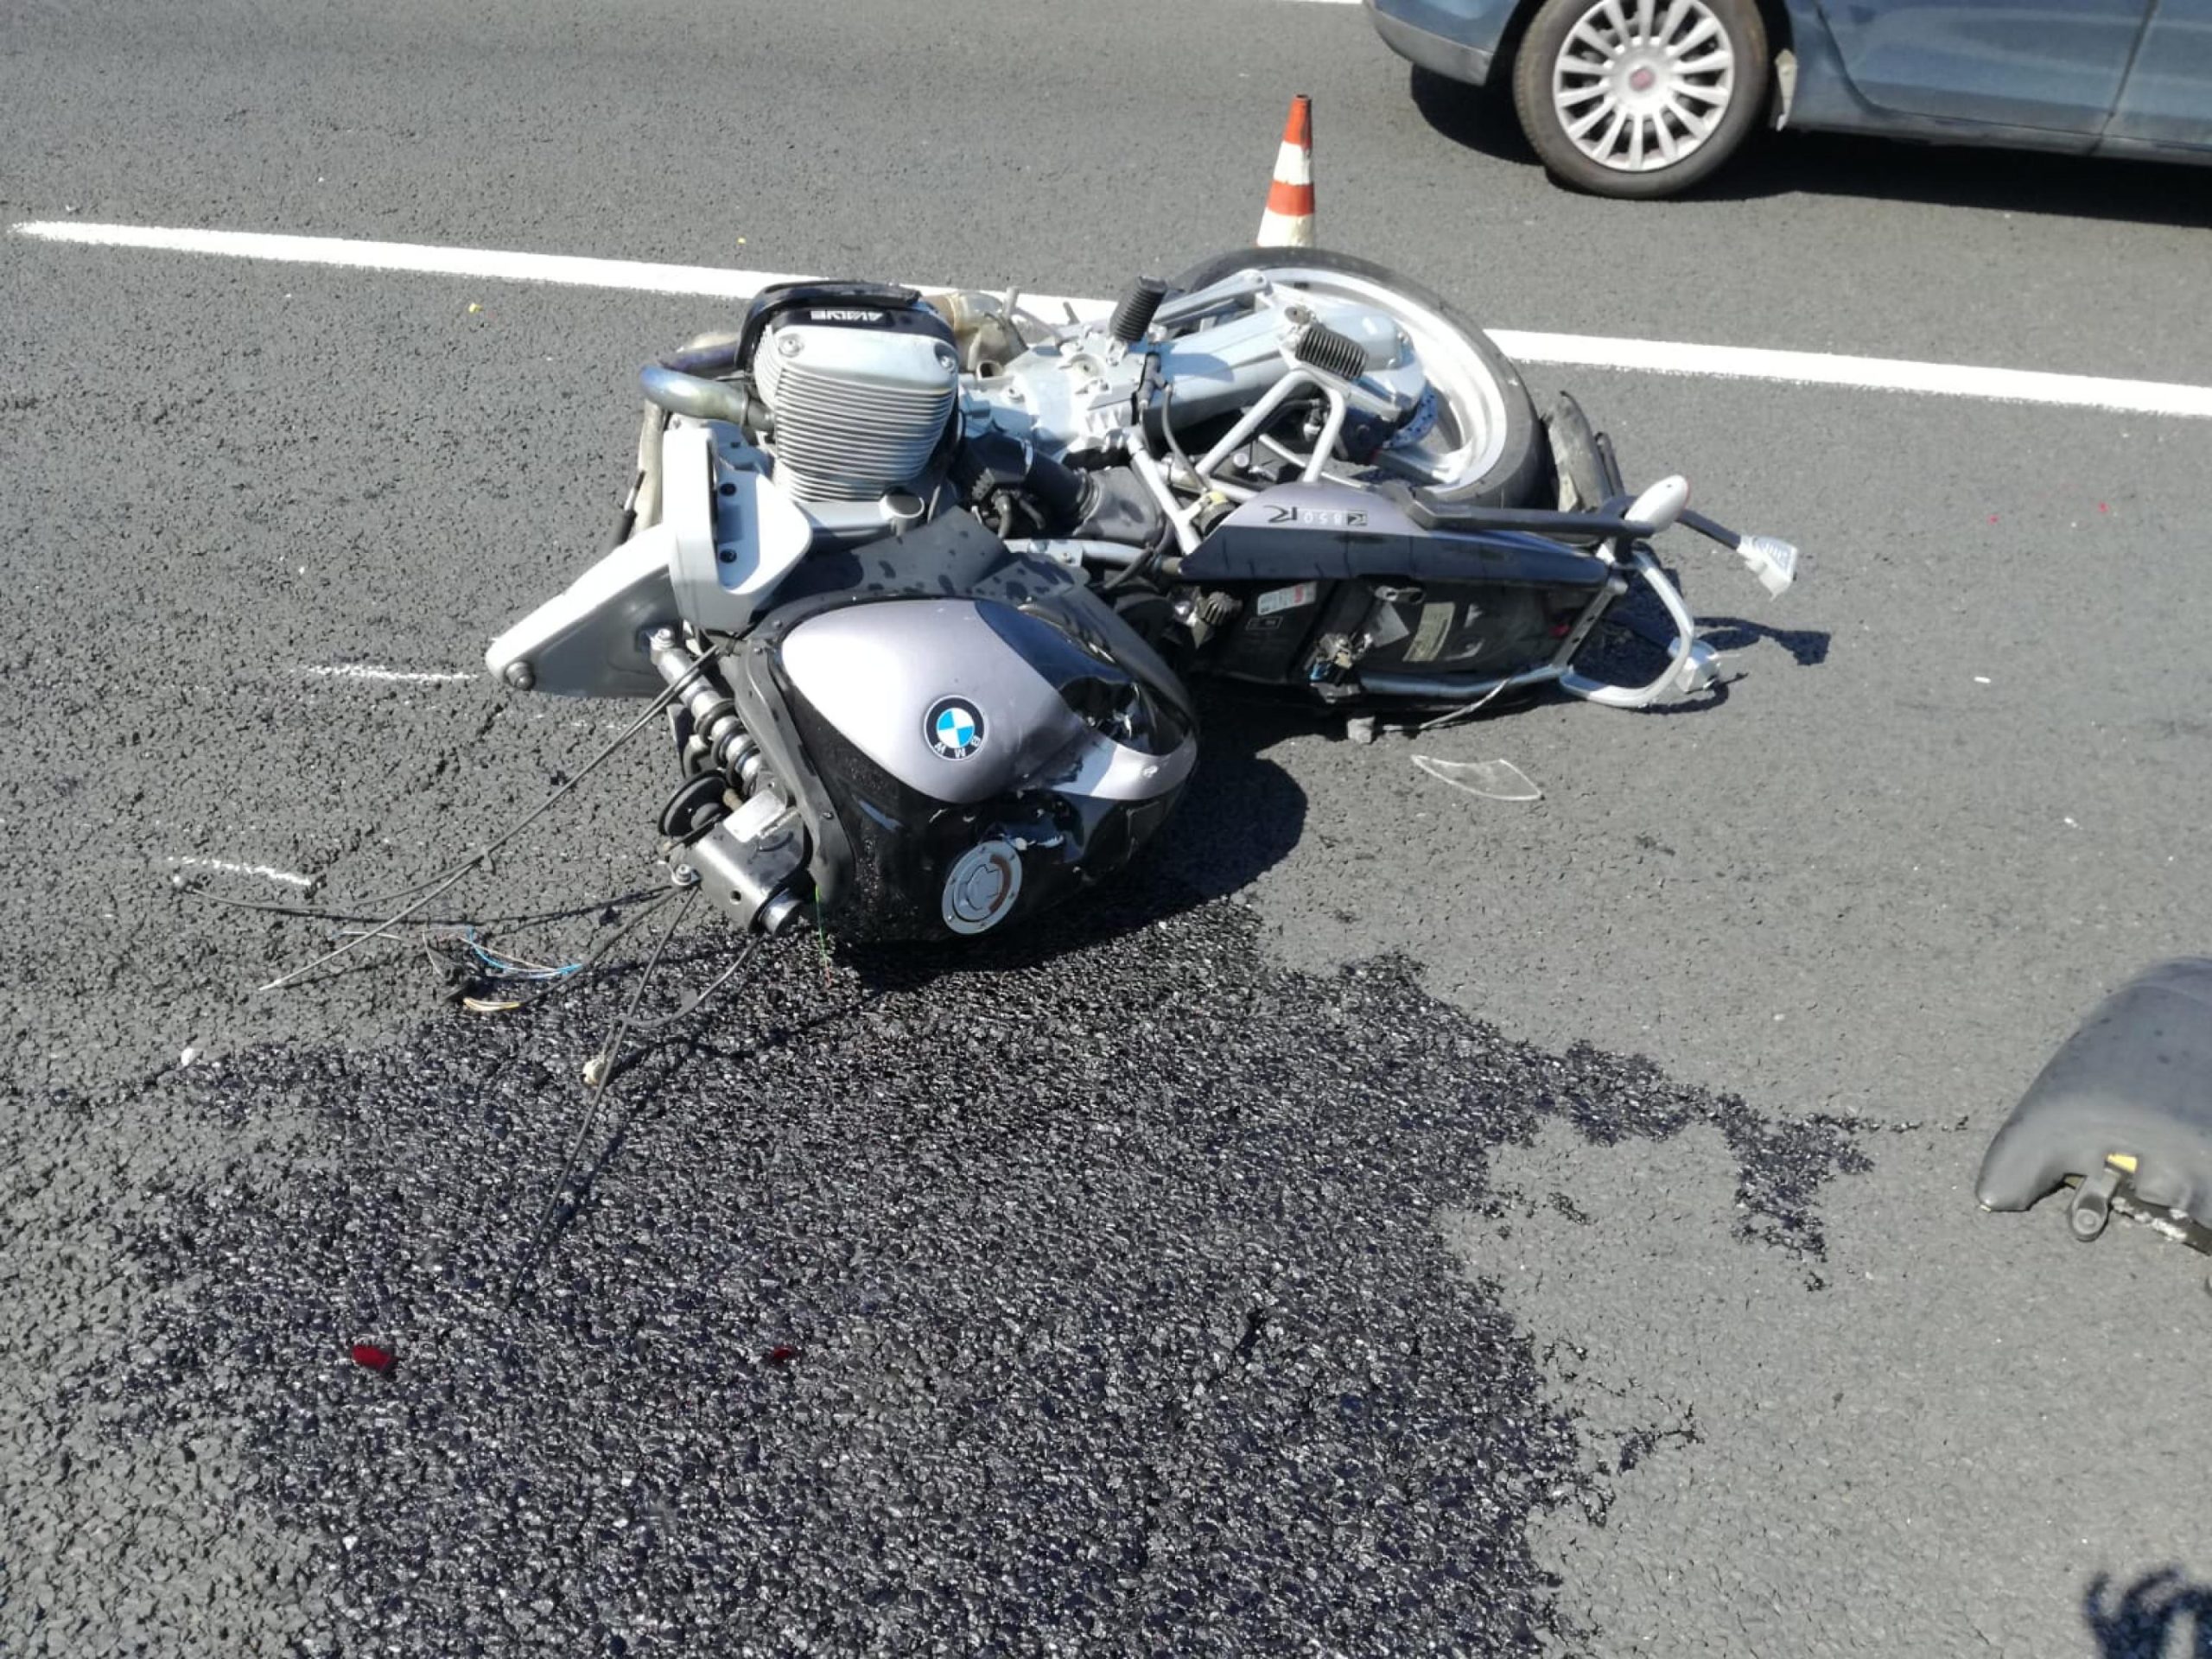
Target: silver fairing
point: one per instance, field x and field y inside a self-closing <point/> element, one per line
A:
<point x="879" y="672"/>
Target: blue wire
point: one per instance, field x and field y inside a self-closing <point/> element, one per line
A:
<point x="515" y="970"/>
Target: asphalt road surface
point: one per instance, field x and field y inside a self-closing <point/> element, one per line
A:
<point x="1393" y="1222"/>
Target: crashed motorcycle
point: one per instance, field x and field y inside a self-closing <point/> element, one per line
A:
<point x="920" y="579"/>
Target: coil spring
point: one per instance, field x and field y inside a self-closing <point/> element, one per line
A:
<point x="1319" y="346"/>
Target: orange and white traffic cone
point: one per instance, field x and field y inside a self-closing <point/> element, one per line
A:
<point x="1288" y="222"/>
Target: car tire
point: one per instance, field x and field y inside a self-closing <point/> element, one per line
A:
<point x="1640" y="99"/>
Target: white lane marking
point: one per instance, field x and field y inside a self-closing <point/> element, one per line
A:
<point x="371" y="672"/>
<point x="567" y="269"/>
<point x="1652" y="356"/>
<point x="267" y="872"/>
<point x="1868" y="373"/>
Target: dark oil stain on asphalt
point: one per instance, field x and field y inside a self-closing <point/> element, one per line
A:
<point x="1082" y="1294"/>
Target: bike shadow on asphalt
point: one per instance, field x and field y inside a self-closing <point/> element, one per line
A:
<point x="2148" y="1619"/>
<point x="1875" y="168"/>
<point x="1807" y="647"/>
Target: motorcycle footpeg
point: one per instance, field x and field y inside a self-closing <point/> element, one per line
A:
<point x="1770" y="558"/>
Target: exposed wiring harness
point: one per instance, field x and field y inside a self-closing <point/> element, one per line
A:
<point x="437" y="886"/>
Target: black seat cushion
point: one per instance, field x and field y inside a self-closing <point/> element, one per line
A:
<point x="2136" y="1080"/>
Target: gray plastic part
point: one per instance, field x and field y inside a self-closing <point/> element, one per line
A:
<point x="737" y="534"/>
<point x="875" y="672"/>
<point x="586" y="641"/>
<point x="2135" y="1081"/>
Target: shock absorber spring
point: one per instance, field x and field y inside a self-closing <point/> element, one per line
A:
<point x="1319" y="346"/>
<point x="715" y="726"/>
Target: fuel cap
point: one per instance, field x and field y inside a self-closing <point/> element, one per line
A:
<point x="982" y="886"/>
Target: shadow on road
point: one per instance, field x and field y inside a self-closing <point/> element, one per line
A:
<point x="1243" y="813"/>
<point x="1479" y="117"/>
<point x="1887" y="170"/>
<point x="2163" y="1615"/>
<point x="1630" y="647"/>
<point x="1807" y="647"/>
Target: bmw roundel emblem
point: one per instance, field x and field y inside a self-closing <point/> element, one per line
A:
<point x="954" y="726"/>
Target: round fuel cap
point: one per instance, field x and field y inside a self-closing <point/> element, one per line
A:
<point x="982" y="886"/>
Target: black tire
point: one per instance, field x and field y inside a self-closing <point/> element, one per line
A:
<point x="1577" y="461"/>
<point x="1521" y="476"/>
<point x="1540" y="54"/>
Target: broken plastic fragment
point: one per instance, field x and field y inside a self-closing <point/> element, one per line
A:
<point x="1494" y="780"/>
<point x="371" y="1357"/>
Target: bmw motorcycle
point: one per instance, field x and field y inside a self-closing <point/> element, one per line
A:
<point x="920" y="579"/>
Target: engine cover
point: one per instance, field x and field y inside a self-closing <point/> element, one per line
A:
<point x="971" y="735"/>
<point x="938" y="693"/>
<point x="861" y="383"/>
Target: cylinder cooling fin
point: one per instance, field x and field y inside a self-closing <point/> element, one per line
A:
<point x="861" y="381"/>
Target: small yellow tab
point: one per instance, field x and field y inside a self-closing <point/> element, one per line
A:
<point x="2122" y="1161"/>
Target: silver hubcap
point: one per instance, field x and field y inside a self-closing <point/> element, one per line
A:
<point x="1642" y="84"/>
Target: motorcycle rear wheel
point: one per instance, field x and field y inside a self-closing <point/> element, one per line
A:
<point x="1506" y="461"/>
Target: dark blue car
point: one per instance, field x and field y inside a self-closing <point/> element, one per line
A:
<point x="1642" y="98"/>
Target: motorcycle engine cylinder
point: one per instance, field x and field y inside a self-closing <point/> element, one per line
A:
<point x="859" y="409"/>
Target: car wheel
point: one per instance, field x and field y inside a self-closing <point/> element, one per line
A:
<point x="1640" y="98"/>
